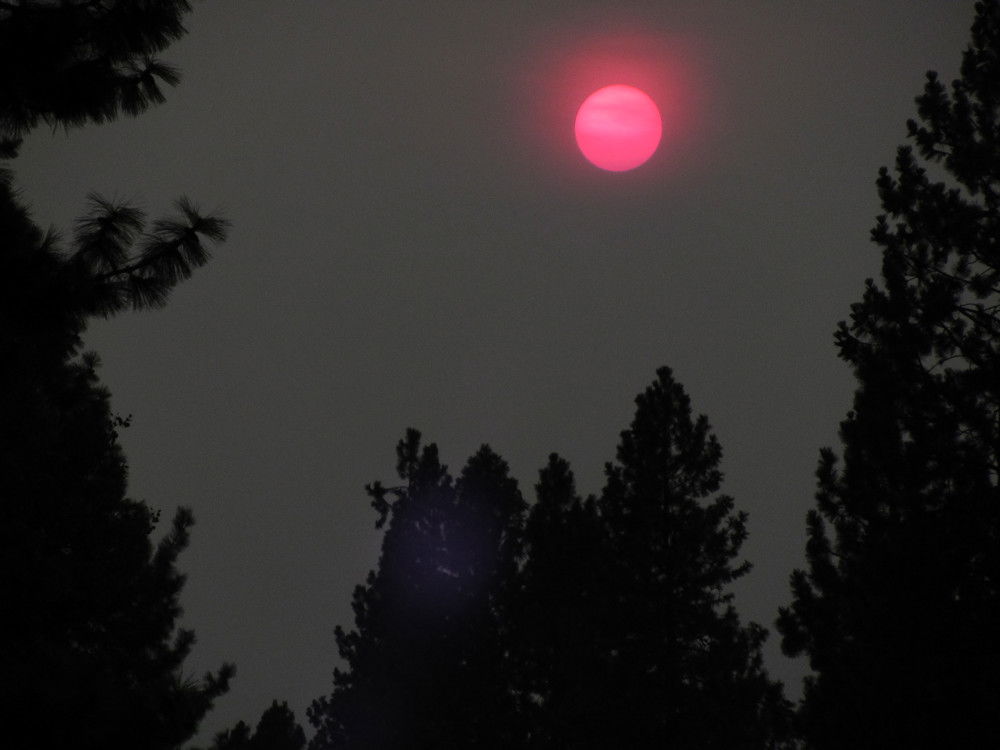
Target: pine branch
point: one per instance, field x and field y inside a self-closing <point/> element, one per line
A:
<point x="169" y="254"/>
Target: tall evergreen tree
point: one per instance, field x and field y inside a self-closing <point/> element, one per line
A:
<point x="899" y="610"/>
<point x="426" y="663"/>
<point x="276" y="730"/>
<point x="683" y="670"/>
<point x="89" y="651"/>
<point x="557" y="622"/>
<point x="629" y="633"/>
<point x="90" y="655"/>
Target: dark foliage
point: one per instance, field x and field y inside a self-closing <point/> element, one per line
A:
<point x="90" y="655"/>
<point x="679" y="652"/>
<point x="276" y="730"/>
<point x="426" y="664"/>
<point x="632" y="638"/>
<point x="237" y="738"/>
<point x="559" y="614"/>
<point x="899" y="610"/>
<point x="616" y="631"/>
<point x="89" y="652"/>
<point x="77" y="61"/>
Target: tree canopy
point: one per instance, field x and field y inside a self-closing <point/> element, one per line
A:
<point x="276" y="730"/>
<point x="79" y="61"/>
<point x="649" y="651"/>
<point x="898" y="610"/>
<point x="425" y="664"/>
<point x="603" y="622"/>
<point x="90" y="651"/>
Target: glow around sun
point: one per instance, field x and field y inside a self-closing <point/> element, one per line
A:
<point x="618" y="128"/>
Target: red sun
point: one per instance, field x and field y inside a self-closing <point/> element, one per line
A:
<point x="618" y="128"/>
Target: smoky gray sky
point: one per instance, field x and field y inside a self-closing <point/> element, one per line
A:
<point x="416" y="241"/>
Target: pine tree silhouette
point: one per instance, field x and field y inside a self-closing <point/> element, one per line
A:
<point x="89" y="649"/>
<point x="80" y="61"/>
<point x="899" y="610"/>
<point x="559" y="618"/>
<point x="276" y="730"/>
<point x="616" y="630"/>
<point x="426" y="664"/>
<point x="674" y="665"/>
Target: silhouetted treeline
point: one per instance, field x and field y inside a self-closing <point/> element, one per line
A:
<point x="616" y="630"/>
<point x="603" y="622"/>
<point x="276" y="730"/>
<point x="899" y="611"/>
<point x="569" y="622"/>
<point x="90" y="655"/>
<point x="428" y="661"/>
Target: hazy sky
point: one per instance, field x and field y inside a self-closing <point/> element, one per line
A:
<point x="417" y="242"/>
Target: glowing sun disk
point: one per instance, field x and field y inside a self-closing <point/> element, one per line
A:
<point x="618" y="128"/>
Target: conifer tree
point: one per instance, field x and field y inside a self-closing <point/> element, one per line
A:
<point x="683" y="671"/>
<point x="426" y="661"/>
<point x="276" y="730"/>
<point x="627" y="636"/>
<point x="557" y="627"/>
<point x="899" y="608"/>
<point x="79" y="61"/>
<point x="89" y="649"/>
